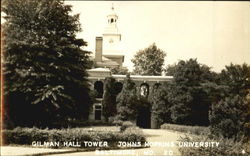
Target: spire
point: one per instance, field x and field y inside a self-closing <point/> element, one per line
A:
<point x="112" y="19"/>
<point x="112" y="11"/>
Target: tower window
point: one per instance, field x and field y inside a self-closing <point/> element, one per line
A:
<point x="112" y="20"/>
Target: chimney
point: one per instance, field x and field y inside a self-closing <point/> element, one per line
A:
<point x="98" y="49"/>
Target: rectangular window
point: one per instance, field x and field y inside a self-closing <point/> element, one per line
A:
<point x="98" y="114"/>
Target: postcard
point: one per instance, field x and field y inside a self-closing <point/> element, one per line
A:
<point x="125" y="78"/>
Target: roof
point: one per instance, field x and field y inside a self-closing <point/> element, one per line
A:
<point x="108" y="61"/>
<point x="113" y="56"/>
<point x="144" y="77"/>
<point x="100" y="69"/>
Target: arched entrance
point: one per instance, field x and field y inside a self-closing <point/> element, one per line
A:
<point x="144" y="114"/>
<point x="144" y="117"/>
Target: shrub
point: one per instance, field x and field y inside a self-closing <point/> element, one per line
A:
<point x="111" y="120"/>
<point x="198" y="130"/>
<point x="25" y="136"/>
<point x="79" y="123"/>
<point x="230" y="112"/>
<point x="133" y="134"/>
<point x="230" y="117"/>
<point x="126" y="124"/>
<point x="117" y="122"/>
<point x="227" y="147"/>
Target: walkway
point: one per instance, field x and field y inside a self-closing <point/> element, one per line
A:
<point x="156" y="136"/>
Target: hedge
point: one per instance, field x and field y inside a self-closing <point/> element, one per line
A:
<point x="197" y="130"/>
<point x="227" y="147"/>
<point x="25" y="136"/>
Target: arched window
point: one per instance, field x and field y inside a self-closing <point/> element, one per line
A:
<point x="112" y="20"/>
<point x="98" y="86"/>
<point x="144" y="90"/>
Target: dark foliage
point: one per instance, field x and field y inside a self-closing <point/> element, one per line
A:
<point x="44" y="65"/>
<point x="127" y="106"/>
<point x="188" y="94"/>
<point x="230" y="113"/>
<point x="109" y="98"/>
<point x="120" y="70"/>
<point x="160" y="111"/>
<point x="228" y="147"/>
<point x="25" y="136"/>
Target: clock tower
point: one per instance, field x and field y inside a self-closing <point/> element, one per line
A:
<point x="112" y="38"/>
<point x="108" y="47"/>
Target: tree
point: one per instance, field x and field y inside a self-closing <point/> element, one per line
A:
<point x="149" y="61"/>
<point x="120" y="70"/>
<point x="187" y="94"/>
<point x="127" y="101"/>
<point x="180" y="100"/>
<point x="230" y="112"/>
<point x="230" y="117"/>
<point x="109" y="98"/>
<point x="160" y="111"/>
<point x="237" y="77"/>
<point x="44" y="65"/>
<point x="170" y="70"/>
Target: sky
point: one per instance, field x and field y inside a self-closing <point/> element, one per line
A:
<point x="216" y="33"/>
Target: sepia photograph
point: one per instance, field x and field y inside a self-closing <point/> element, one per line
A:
<point x="125" y="78"/>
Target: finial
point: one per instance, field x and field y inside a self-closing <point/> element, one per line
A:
<point x="112" y="6"/>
